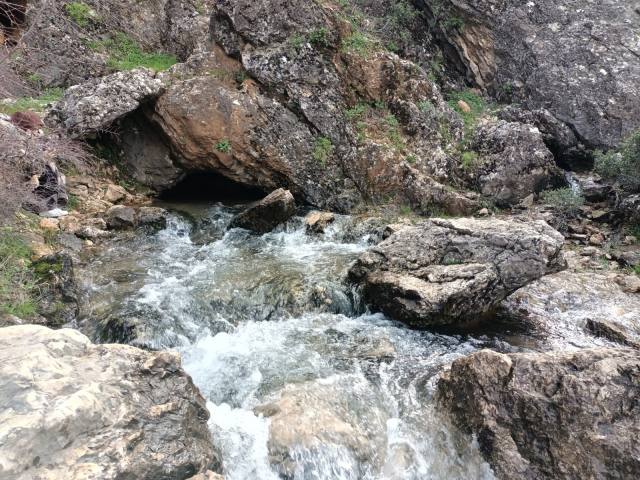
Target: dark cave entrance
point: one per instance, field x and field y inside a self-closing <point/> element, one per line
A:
<point x="12" y="18"/>
<point x="212" y="187"/>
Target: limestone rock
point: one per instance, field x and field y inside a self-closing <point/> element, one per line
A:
<point x="603" y="328"/>
<point x="152" y="216"/>
<point x="95" y="105"/>
<point x="445" y="271"/>
<point x="513" y="163"/>
<point x="590" y="186"/>
<point x="630" y="206"/>
<point x="532" y="49"/>
<point x="71" y="409"/>
<point x="114" y="193"/>
<point x="550" y="415"/>
<point x="268" y="213"/>
<point x="120" y="217"/>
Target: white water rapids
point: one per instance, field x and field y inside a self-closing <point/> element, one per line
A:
<point x="301" y="381"/>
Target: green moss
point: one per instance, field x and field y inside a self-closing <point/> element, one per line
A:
<point x="323" y="149"/>
<point x="81" y="13"/>
<point x="125" y="54"/>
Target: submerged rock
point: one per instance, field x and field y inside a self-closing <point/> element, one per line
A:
<point x="447" y="271"/>
<point x="552" y="415"/>
<point x="153" y="217"/>
<point x="316" y="222"/>
<point x="268" y="213"/>
<point x="71" y="409"/>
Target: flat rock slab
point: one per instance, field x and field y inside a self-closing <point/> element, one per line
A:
<point x="446" y="271"/>
<point x="265" y="215"/>
<point x="70" y="409"/>
<point x="569" y="415"/>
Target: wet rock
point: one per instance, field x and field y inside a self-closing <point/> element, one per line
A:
<point x="94" y="234"/>
<point x="530" y="50"/>
<point x="59" y="297"/>
<point x="512" y="163"/>
<point x="309" y="417"/>
<point x="316" y="222"/>
<point x="152" y="217"/>
<point x="590" y="186"/>
<point x="70" y="241"/>
<point x="551" y="415"/>
<point x="603" y="328"/>
<point x="557" y="136"/>
<point x="446" y="271"/>
<point x="120" y="217"/>
<point x="96" y="104"/>
<point x="105" y="411"/>
<point x="268" y="213"/>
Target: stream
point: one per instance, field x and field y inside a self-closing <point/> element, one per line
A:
<point x="302" y="382"/>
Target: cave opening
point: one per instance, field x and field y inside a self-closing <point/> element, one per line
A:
<point x="12" y="18"/>
<point x="211" y="187"/>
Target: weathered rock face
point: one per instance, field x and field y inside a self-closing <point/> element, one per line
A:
<point x="553" y="415"/>
<point x="61" y="55"/>
<point x="268" y="213"/>
<point x="578" y="59"/>
<point x="446" y="271"/>
<point x="512" y="163"/>
<point x="557" y="136"/>
<point x="95" y="105"/>
<point x="71" y="409"/>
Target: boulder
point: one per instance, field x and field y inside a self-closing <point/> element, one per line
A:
<point x="590" y="186"/>
<point x="578" y="59"/>
<point x="114" y="193"/>
<point x="511" y="163"/>
<point x="71" y="409"/>
<point x="316" y="222"/>
<point x="557" y="136"/>
<point x="93" y="106"/>
<point x="268" y="213"/>
<point x="120" y="217"/>
<point x="58" y="292"/>
<point x="153" y="217"/>
<point x="445" y="271"/>
<point x="570" y="415"/>
<point x="630" y="206"/>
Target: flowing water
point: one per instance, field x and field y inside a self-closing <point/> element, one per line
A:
<point x="301" y="381"/>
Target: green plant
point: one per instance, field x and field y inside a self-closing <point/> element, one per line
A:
<point x="125" y="54"/>
<point x="219" y="73"/>
<point x="393" y="131"/>
<point x="356" y="112"/>
<point x="631" y="270"/>
<point x="622" y="166"/>
<point x="359" y="43"/>
<point x="475" y="102"/>
<point x="296" y="41"/>
<point x="319" y="37"/>
<point x="124" y="184"/>
<point x="35" y="79"/>
<point x="392" y="47"/>
<point x="323" y="149"/>
<point x="426" y="107"/>
<point x="72" y="204"/>
<point x="223" y="146"/>
<point x="29" y="103"/>
<point x="565" y="203"/>
<point x="411" y="158"/>
<point x="81" y="13"/>
<point x="241" y="76"/>
<point x="19" y="294"/>
<point x="507" y="89"/>
<point x="454" y="23"/>
<point x="470" y="160"/>
<point x="405" y="209"/>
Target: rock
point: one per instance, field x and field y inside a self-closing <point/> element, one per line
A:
<point x="603" y="328"/>
<point x="598" y="214"/>
<point x="8" y="320"/>
<point x="84" y="227"/>
<point x="96" y="104"/>
<point x="120" y="217"/>
<point x="152" y="216"/>
<point x="316" y="222"/>
<point x="531" y="49"/>
<point x="268" y="213"/>
<point x="589" y="186"/>
<point x="92" y="234"/>
<point x="114" y="193"/>
<point x="207" y="476"/>
<point x="596" y="239"/>
<point x="49" y="224"/>
<point x="630" y="206"/>
<point x="589" y="251"/>
<point x="629" y="257"/>
<point x="58" y="293"/>
<point x="463" y="106"/>
<point x="445" y="271"/>
<point x="40" y="250"/>
<point x="628" y="283"/>
<point x="27" y="120"/>
<point x="77" y="410"/>
<point x="484" y="212"/>
<point x="512" y="163"/>
<point x="550" y="415"/>
<point x="557" y="136"/>
<point x="51" y="189"/>
<point x="70" y="241"/>
<point x="313" y="415"/>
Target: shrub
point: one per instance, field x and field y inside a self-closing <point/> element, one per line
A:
<point x="241" y="76"/>
<point x="454" y="23"/>
<point x="319" y="37"/>
<point x="323" y="148"/>
<point x="622" y="166"/>
<point x="125" y="54"/>
<point x="566" y="204"/>
<point x="81" y="13"/>
<point x="359" y="43"/>
<point x="18" y="289"/>
<point x="223" y="146"/>
<point x="470" y="160"/>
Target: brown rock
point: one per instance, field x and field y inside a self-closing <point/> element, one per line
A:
<point x="464" y="106"/>
<point x="628" y="283"/>
<point x="49" y="224"/>
<point x="114" y="193"/>
<point x="317" y="221"/>
<point x="596" y="239"/>
<point x="603" y="328"/>
<point x="265" y="215"/>
<point x="207" y="476"/>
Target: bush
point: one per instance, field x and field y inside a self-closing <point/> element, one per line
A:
<point x="622" y="166"/>
<point x="18" y="289"/>
<point x="319" y="38"/>
<point x="81" y="13"/>
<point x="566" y="204"/>
<point x="323" y="148"/>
